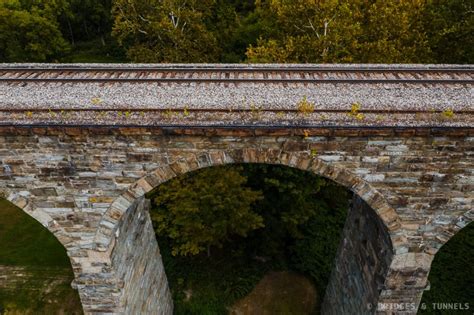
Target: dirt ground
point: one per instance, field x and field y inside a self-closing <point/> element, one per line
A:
<point x="282" y="293"/>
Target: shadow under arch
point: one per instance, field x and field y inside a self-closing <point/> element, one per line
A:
<point x="300" y="160"/>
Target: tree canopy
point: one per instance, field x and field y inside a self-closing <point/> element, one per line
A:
<point x="29" y="31"/>
<point x="294" y="221"/>
<point x="342" y="31"/>
<point x="165" y="31"/>
<point x="197" y="211"/>
<point x="317" y="31"/>
<point x="449" y="26"/>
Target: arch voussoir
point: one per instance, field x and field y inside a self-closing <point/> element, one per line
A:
<point x="159" y="175"/>
<point x="182" y="166"/>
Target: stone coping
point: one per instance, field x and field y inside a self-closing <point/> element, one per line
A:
<point x="232" y="131"/>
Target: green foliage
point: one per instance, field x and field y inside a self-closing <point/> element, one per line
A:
<point x="165" y="31"/>
<point x="208" y="285"/>
<point x="44" y="291"/>
<point x="236" y="25"/>
<point x="308" y="31"/>
<point x="302" y="214"/>
<point x="186" y="31"/>
<point x="237" y="31"/>
<point x="451" y="275"/>
<point x="95" y="50"/>
<point x="87" y="25"/>
<point x="290" y="198"/>
<point x="86" y="19"/>
<point x="355" y="108"/>
<point x="314" y="254"/>
<point x="205" y="209"/>
<point x="342" y="31"/>
<point x="392" y="32"/>
<point x="36" y="31"/>
<point x="31" y="33"/>
<point x="450" y="30"/>
<point x="304" y="107"/>
<point x="448" y="113"/>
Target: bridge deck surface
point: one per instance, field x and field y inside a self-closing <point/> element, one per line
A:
<point x="237" y="95"/>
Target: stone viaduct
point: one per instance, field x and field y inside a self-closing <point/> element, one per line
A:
<point x="80" y="145"/>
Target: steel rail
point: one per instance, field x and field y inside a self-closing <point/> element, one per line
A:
<point x="239" y="69"/>
<point x="223" y="110"/>
<point x="238" y="80"/>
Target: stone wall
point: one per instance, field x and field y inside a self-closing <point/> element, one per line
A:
<point x="81" y="183"/>
<point x="361" y="265"/>
<point x="138" y="264"/>
<point x="405" y="282"/>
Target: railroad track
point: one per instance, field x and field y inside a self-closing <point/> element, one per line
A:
<point x="236" y="74"/>
<point x="257" y="110"/>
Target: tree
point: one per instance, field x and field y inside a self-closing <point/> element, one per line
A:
<point x="451" y="272"/>
<point x="187" y="31"/>
<point x="203" y="209"/>
<point x="342" y="31"/>
<point x="291" y="199"/>
<point x="236" y="25"/>
<point x="30" y="32"/>
<point x="393" y="33"/>
<point x="450" y="30"/>
<point x="87" y="19"/>
<point x="165" y="31"/>
<point x="308" y="31"/>
<point x="314" y="253"/>
<point x="291" y="195"/>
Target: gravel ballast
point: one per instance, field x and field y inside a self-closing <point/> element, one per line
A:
<point x="155" y="103"/>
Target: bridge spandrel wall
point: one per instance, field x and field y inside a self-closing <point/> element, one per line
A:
<point x="81" y="183"/>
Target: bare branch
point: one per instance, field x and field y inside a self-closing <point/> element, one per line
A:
<point x="311" y="26"/>
<point x="143" y="19"/>
<point x="174" y="21"/>
<point x="326" y="24"/>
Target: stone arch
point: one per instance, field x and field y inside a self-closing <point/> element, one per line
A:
<point x="300" y="160"/>
<point x="119" y="239"/>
